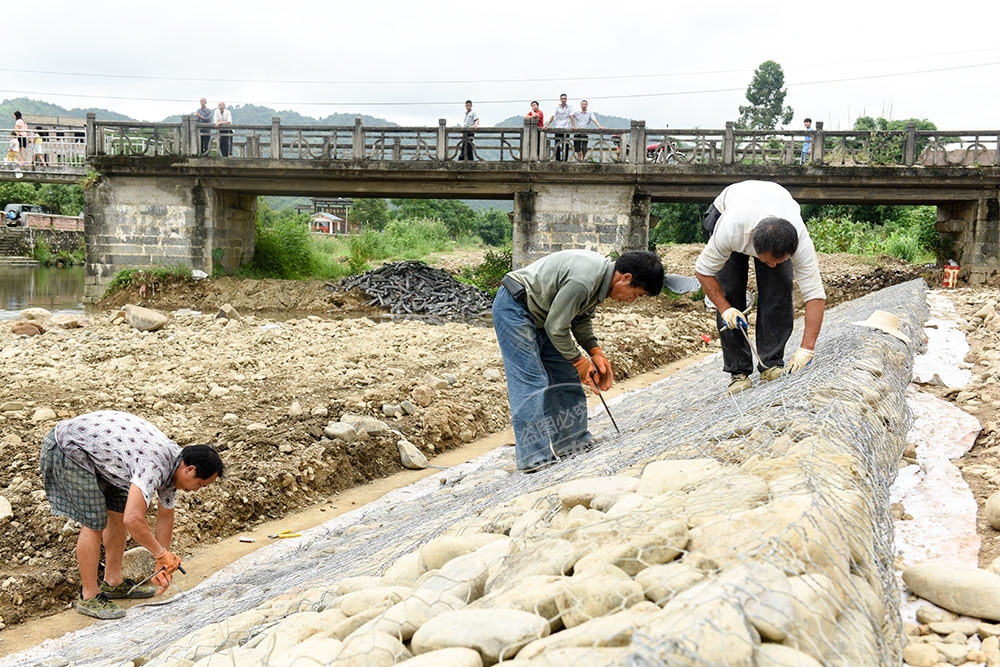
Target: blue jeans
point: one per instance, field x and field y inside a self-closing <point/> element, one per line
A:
<point x="548" y="407"/>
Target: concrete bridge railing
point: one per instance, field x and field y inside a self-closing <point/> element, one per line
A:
<point x="529" y="143"/>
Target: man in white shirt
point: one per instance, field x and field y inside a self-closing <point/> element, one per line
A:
<point x="760" y="219"/>
<point x="223" y="120"/>
<point x="469" y="125"/>
<point x="581" y="121"/>
<point x="561" y="118"/>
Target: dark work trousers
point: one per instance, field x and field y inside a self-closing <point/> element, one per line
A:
<point x="467" y="148"/>
<point x="775" y="313"/>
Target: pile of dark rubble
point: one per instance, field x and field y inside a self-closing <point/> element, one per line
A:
<point x="413" y="288"/>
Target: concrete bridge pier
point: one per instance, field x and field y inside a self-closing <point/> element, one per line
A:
<point x="973" y="227"/>
<point x="605" y="218"/>
<point x="136" y="222"/>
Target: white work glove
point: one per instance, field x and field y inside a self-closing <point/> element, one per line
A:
<point x="800" y="360"/>
<point x="734" y="318"/>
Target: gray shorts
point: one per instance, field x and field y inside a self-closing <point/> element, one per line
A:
<point x="75" y="492"/>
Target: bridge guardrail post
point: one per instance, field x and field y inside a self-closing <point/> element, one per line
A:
<point x="910" y="145"/>
<point x="817" y="145"/>
<point x="442" y="140"/>
<point x="729" y="144"/>
<point x="358" y="140"/>
<point x="275" y="139"/>
<point x="92" y="142"/>
<point x="529" y="140"/>
<point x="189" y="136"/>
<point x="637" y="141"/>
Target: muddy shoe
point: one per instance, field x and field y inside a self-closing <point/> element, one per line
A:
<point x="740" y="382"/>
<point x="121" y="591"/>
<point x="772" y="373"/>
<point x="99" y="606"/>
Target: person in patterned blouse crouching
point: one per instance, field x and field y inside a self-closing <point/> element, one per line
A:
<point x="101" y="469"/>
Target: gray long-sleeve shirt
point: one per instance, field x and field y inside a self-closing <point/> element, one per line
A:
<point x="562" y="292"/>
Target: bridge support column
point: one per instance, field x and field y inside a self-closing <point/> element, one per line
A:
<point x="606" y="219"/>
<point x="142" y="223"/>
<point x="973" y="228"/>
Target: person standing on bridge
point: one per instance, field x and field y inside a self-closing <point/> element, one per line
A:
<point x="101" y="470"/>
<point x="536" y="113"/>
<point x="21" y="128"/>
<point x="469" y="126"/>
<point x="223" y="119"/>
<point x="807" y="142"/>
<point x="761" y="220"/>
<point x="581" y="120"/>
<point x="542" y="314"/>
<point x="205" y="120"/>
<point x="561" y="118"/>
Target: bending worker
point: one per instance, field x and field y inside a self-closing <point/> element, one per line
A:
<point x="101" y="470"/>
<point x="541" y="313"/>
<point x="761" y="220"/>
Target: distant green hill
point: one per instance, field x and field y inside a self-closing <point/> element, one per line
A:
<point x="251" y="114"/>
<point x="40" y="108"/>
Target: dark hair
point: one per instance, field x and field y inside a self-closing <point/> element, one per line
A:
<point x="808" y="120"/>
<point x="645" y="267"/>
<point x="205" y="459"/>
<point x="775" y="236"/>
<point x="562" y="95"/>
<point x="468" y="101"/>
<point x="17" y="115"/>
<point x="533" y="102"/>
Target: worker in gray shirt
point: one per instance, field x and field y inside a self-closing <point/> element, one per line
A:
<point x="561" y="118"/>
<point x="542" y="314"/>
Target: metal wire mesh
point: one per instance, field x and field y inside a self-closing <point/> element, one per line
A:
<point x="738" y="528"/>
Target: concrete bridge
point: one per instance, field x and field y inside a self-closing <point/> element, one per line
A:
<point x="154" y="197"/>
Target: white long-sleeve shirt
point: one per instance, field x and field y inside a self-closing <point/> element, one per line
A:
<point x="742" y="206"/>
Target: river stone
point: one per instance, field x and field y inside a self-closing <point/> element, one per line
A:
<point x="369" y="425"/>
<point x="713" y="633"/>
<point x="494" y="633"/>
<point x="550" y="556"/>
<point x="66" y="321"/>
<point x="305" y="652"/>
<point x="20" y="328"/>
<point x="372" y="649"/>
<point x="611" y="630"/>
<point x="673" y="475"/>
<point x="403" y="618"/>
<point x="405" y="571"/>
<point x="342" y="629"/>
<point x="816" y="603"/>
<point x="927" y="614"/>
<point x="535" y="593"/>
<point x="39" y="314"/>
<point x="967" y="628"/>
<point x="355" y="603"/>
<point x="660" y="583"/>
<point x="464" y="577"/>
<point x="777" y="655"/>
<point x="435" y="553"/>
<point x="43" y="414"/>
<point x="992" y="510"/>
<point x="582" y="491"/>
<point x="341" y="431"/>
<point x="227" y="312"/>
<point x="582" y="657"/>
<point x="144" y="319"/>
<point x="965" y="590"/>
<point x="596" y="592"/>
<point x="422" y="395"/>
<point x="411" y="457"/>
<point x="455" y="656"/>
<point x="6" y="511"/>
<point x="353" y="584"/>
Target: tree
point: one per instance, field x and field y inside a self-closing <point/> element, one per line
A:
<point x="766" y="95"/>
<point x="677" y="223"/>
<point x="370" y="213"/>
<point x="494" y="227"/>
<point x="457" y="216"/>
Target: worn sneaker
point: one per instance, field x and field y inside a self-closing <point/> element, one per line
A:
<point x="99" y="606"/>
<point x="740" y="382"/>
<point x="121" y="591"/>
<point x="772" y="373"/>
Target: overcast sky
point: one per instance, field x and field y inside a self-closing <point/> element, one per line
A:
<point x="682" y="64"/>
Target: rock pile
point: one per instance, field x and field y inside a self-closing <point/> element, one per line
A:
<point x="415" y="288"/>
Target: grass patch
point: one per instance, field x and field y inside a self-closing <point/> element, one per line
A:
<point x="153" y="279"/>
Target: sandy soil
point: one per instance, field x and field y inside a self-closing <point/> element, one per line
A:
<point x="239" y="384"/>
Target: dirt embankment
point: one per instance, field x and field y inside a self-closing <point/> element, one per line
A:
<point x="264" y="388"/>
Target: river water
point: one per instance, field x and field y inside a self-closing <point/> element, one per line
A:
<point x="56" y="290"/>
